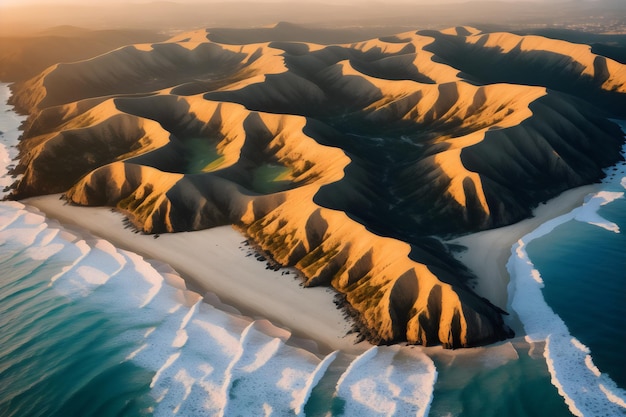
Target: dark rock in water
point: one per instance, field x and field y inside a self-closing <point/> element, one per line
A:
<point x="343" y="160"/>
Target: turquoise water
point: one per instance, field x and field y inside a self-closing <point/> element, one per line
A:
<point x="73" y="346"/>
<point x="584" y="270"/>
<point x="510" y="380"/>
<point x="568" y="286"/>
<point x="87" y="329"/>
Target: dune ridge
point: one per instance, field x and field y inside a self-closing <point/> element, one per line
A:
<point x="343" y="160"/>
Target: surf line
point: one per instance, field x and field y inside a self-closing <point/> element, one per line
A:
<point x="585" y="389"/>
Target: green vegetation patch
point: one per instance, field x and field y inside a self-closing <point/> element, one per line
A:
<point x="271" y="178"/>
<point x="202" y="156"/>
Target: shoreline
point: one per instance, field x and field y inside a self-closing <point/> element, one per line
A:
<point x="203" y="258"/>
<point x="487" y="253"/>
<point x="219" y="265"/>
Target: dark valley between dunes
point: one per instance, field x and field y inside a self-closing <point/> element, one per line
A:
<point x="352" y="162"/>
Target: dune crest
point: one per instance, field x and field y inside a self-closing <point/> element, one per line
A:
<point x="343" y="160"/>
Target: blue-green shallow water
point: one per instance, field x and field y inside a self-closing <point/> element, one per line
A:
<point x="567" y="287"/>
<point x="584" y="270"/>
<point x="491" y="387"/>
<point x="61" y="357"/>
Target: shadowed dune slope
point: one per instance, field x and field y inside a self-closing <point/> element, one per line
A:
<point x="346" y="161"/>
<point x="534" y="60"/>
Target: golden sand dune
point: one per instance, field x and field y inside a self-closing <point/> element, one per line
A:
<point x="533" y="60"/>
<point x="605" y="72"/>
<point x="342" y="160"/>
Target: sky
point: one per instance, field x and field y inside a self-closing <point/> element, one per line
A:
<point x="93" y="2"/>
<point x="168" y="18"/>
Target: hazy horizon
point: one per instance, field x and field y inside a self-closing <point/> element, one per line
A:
<point x="23" y="16"/>
<point x="321" y="2"/>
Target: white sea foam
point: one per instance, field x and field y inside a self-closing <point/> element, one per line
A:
<point x="587" y="392"/>
<point x="612" y="397"/>
<point x="270" y="374"/>
<point x="23" y="229"/>
<point x="9" y="133"/>
<point x="5" y="161"/>
<point x="82" y="250"/>
<point x="207" y="362"/>
<point x="194" y="349"/>
<point x="589" y="212"/>
<point x="21" y="240"/>
<point x="302" y="397"/>
<point x="403" y="385"/>
<point x="7" y="217"/>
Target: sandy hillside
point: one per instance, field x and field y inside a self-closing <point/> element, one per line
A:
<point x="348" y="161"/>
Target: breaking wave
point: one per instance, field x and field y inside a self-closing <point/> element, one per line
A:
<point x="202" y="361"/>
<point x="586" y="390"/>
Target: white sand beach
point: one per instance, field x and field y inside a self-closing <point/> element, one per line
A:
<point x="488" y="252"/>
<point x="215" y="261"/>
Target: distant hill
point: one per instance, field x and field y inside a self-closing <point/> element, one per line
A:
<point x="22" y="57"/>
<point x="600" y="16"/>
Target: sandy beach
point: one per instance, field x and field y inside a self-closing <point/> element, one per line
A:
<point x="488" y="252"/>
<point x="216" y="261"/>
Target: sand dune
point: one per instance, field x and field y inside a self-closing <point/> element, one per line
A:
<point x="605" y="72"/>
<point x="343" y="160"/>
<point x="535" y="60"/>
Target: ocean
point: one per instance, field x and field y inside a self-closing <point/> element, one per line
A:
<point x="569" y="288"/>
<point x="88" y="329"/>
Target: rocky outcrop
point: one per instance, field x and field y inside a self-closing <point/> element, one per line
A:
<point x="340" y="160"/>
